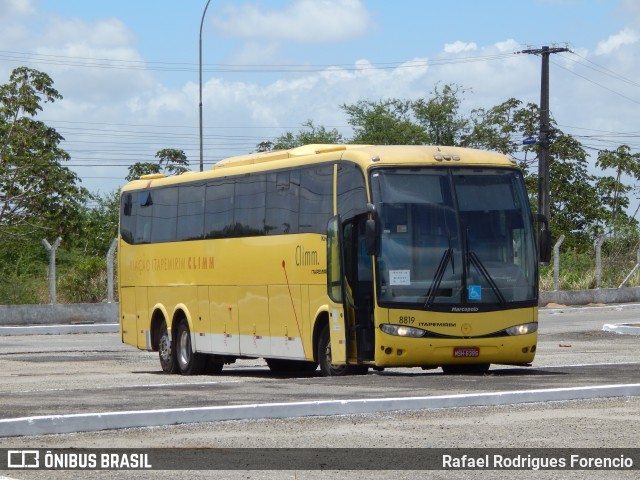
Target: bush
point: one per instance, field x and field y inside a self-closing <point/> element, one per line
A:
<point x="85" y="281"/>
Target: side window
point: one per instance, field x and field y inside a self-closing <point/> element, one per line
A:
<point x="352" y="196"/>
<point x="218" y="215"/>
<point x="283" y="198"/>
<point x="144" y="217"/>
<point x="190" y="212"/>
<point x="165" y="215"/>
<point x="316" y="198"/>
<point x="249" y="213"/>
<point x="128" y="212"/>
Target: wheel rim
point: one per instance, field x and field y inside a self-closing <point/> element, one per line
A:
<point x="327" y="354"/>
<point x="165" y="348"/>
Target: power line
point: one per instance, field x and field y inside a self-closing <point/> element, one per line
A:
<point x="597" y="84"/>
<point x="603" y="70"/>
<point x="118" y="64"/>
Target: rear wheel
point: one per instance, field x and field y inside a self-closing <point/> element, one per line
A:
<point x="166" y="353"/>
<point x="189" y="362"/>
<point x="324" y="359"/>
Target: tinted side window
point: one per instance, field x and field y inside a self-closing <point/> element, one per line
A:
<point x="316" y="198"/>
<point x="218" y="215"/>
<point x="165" y="215"/>
<point x="144" y="201"/>
<point x="249" y="213"/>
<point x="190" y="212"/>
<point x="128" y="212"/>
<point x="283" y="198"/>
<point x="352" y="196"/>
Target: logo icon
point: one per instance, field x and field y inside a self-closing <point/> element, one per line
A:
<point x="475" y="293"/>
<point x="23" y="459"/>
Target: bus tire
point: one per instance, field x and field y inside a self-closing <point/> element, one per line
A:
<point x="324" y="359"/>
<point x="166" y="352"/>
<point x="473" y="369"/>
<point x="189" y="362"/>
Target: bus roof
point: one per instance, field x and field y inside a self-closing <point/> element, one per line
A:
<point x="365" y="155"/>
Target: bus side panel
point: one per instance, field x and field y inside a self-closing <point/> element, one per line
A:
<point x="202" y="324"/>
<point x="128" y="325"/>
<point x="142" y="319"/>
<point x="285" y="320"/>
<point x="318" y="301"/>
<point x="224" y="326"/>
<point x="253" y="311"/>
<point x="306" y="323"/>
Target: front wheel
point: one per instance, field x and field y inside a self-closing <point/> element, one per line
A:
<point x="324" y="359"/>
<point x="189" y="362"/>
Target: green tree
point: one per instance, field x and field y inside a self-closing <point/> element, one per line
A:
<point x="171" y="161"/>
<point x="386" y="122"/>
<point x="576" y="205"/>
<point x="502" y="127"/>
<point x="440" y="116"/>
<point x="37" y="193"/>
<point x="102" y="221"/>
<point x="309" y="134"/>
<point x="624" y="163"/>
<point x="578" y="198"/>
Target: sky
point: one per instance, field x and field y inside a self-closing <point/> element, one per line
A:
<point x="128" y="71"/>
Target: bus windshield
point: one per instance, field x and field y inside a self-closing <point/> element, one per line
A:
<point x="454" y="238"/>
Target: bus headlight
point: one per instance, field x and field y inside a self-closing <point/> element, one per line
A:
<point x="402" y="330"/>
<point x="523" y="329"/>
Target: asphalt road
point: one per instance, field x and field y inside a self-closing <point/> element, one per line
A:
<point x="82" y="373"/>
<point x="69" y="374"/>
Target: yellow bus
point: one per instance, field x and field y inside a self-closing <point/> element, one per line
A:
<point x="349" y="257"/>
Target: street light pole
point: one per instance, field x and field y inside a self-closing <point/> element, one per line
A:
<point x="200" y="73"/>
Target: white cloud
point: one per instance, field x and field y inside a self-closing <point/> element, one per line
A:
<point x="631" y="9"/>
<point x="459" y="47"/>
<point x="614" y="42"/>
<point x="86" y="59"/>
<point x="16" y="7"/>
<point x="311" y="21"/>
<point x="260" y="107"/>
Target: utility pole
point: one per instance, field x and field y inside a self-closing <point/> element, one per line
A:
<point x="543" y="139"/>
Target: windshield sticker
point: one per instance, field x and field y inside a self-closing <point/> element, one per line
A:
<point x="475" y="292"/>
<point x="399" y="277"/>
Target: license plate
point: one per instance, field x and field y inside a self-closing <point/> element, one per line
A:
<point x="465" y="352"/>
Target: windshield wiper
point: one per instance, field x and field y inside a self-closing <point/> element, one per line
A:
<point x="437" y="279"/>
<point x="473" y="258"/>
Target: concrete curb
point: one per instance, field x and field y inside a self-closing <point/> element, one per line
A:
<point x="60" y="329"/>
<point x="622" y="328"/>
<point x="90" y="422"/>
<point x="615" y="306"/>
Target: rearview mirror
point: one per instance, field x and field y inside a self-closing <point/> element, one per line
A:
<point x="544" y="239"/>
<point x="371" y="237"/>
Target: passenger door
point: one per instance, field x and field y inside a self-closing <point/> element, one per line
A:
<point x="335" y="288"/>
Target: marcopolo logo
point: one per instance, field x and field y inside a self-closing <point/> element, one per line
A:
<point x="23" y="459"/>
